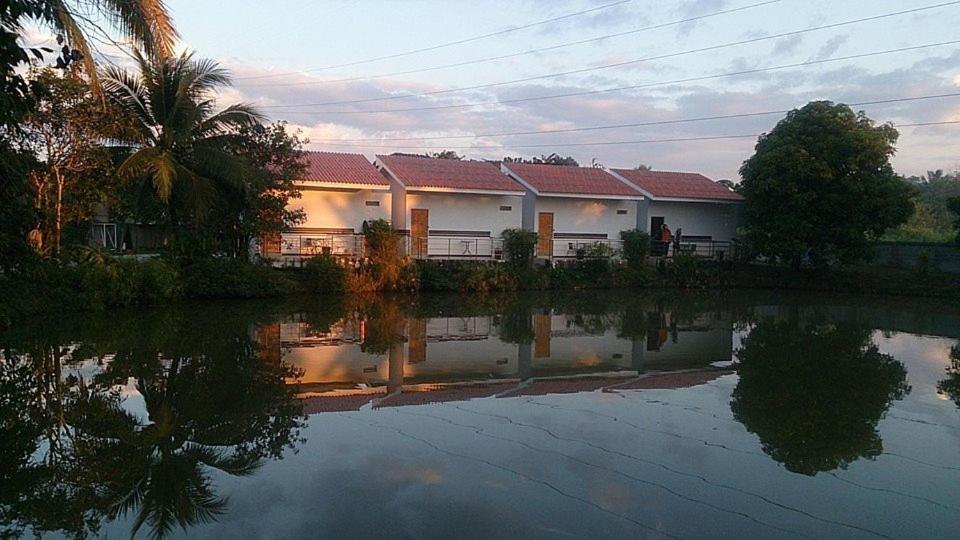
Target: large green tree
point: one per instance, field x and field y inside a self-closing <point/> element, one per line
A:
<point x="179" y="139"/>
<point x="820" y="186"/>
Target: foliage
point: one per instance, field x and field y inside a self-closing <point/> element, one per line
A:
<point x="953" y="204"/>
<point x="260" y="207"/>
<point x="17" y="213"/>
<point x="232" y="278"/>
<point x="820" y="186"/>
<point x="687" y="271"/>
<point x="75" y="172"/>
<point x="386" y="267"/>
<point x="932" y="220"/>
<point x="519" y="247"/>
<point x="179" y="140"/>
<point x="543" y="159"/>
<point x="325" y="274"/>
<point x="636" y="247"/>
<point x="814" y="393"/>
<point x="950" y="386"/>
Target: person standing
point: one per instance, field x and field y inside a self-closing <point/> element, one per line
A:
<point x="665" y="238"/>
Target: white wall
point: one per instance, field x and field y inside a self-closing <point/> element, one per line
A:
<point x="466" y="212"/>
<point x="586" y="215"/>
<point x="718" y="220"/>
<point x="341" y="209"/>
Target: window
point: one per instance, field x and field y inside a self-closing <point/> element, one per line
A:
<point x="506" y="208"/>
<point x="621" y="212"/>
<point x="372" y="203"/>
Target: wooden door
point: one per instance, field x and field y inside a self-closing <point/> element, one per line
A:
<point x="541" y="333"/>
<point x="419" y="232"/>
<point x="418" y="341"/>
<point x="545" y="234"/>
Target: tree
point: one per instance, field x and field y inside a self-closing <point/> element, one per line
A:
<point x="552" y="159"/>
<point x="950" y="386"/>
<point x="643" y="167"/>
<point x="259" y="207"/>
<point x="953" y="204"/>
<point x="814" y="393"/>
<point x="17" y="213"/>
<point x="820" y="185"/>
<point x="446" y="154"/>
<point x="65" y="129"/>
<point x="179" y="141"/>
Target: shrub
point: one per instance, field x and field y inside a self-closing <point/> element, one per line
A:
<point x="231" y="278"/>
<point x="519" y="247"/>
<point x="324" y="274"/>
<point x="387" y="267"/>
<point x="636" y="247"/>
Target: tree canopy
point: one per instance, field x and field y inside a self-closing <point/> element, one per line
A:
<point x="820" y="186"/>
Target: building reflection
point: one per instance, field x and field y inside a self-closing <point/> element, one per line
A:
<point x="526" y="349"/>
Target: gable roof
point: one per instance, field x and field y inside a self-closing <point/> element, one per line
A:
<point x="423" y="173"/>
<point x="570" y="181"/>
<point x="337" y="168"/>
<point x="677" y="185"/>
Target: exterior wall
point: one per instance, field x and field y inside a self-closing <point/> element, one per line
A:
<point x="717" y="220"/>
<point x="341" y="209"/>
<point x="574" y="215"/>
<point x="466" y="211"/>
<point x="398" y="210"/>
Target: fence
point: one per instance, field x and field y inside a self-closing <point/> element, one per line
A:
<point x="455" y="247"/>
<point x="710" y="249"/>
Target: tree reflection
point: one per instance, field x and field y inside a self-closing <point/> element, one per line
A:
<point x="814" y="393"/>
<point x="211" y="403"/>
<point x="950" y="386"/>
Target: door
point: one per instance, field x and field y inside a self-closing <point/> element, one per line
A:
<point x="657" y="248"/>
<point x="545" y="234"/>
<point x="541" y="333"/>
<point x="419" y="232"/>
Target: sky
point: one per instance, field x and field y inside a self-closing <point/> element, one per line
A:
<point x="291" y="59"/>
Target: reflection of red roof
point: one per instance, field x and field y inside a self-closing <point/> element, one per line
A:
<point x="442" y="395"/>
<point x="340" y="403"/>
<point x="341" y="169"/>
<point x="423" y="172"/>
<point x="558" y="179"/>
<point x="673" y="380"/>
<point x="678" y="185"/>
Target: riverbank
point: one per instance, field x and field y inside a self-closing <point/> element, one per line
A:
<point x="107" y="283"/>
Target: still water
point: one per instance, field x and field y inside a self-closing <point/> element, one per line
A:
<point x="543" y="416"/>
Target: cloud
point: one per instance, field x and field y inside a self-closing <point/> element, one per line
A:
<point x="831" y="46"/>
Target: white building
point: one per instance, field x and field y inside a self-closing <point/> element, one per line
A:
<point x="705" y="211"/>
<point x="338" y="193"/>
<point x="451" y="208"/>
<point x="571" y="208"/>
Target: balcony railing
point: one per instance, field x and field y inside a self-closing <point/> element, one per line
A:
<point x="455" y="247"/>
<point x="564" y="248"/>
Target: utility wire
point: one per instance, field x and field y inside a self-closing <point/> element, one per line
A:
<point x="630" y="87"/>
<point x="605" y="143"/>
<point x="629" y="125"/>
<point x="515" y="54"/>
<point x="447" y="44"/>
<point x="610" y="65"/>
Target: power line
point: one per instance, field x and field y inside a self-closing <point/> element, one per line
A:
<point x="632" y="124"/>
<point x="447" y="44"/>
<point x="515" y="54"/>
<point x="607" y="143"/>
<point x="614" y="64"/>
<point x="630" y="87"/>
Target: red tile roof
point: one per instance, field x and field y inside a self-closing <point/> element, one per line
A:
<point x="678" y="185"/>
<point x="341" y="169"/>
<point x="422" y="172"/>
<point x="557" y="179"/>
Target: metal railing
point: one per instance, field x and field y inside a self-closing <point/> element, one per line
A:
<point x="455" y="247"/>
<point x="710" y="249"/>
<point x="311" y="244"/>
<point x="566" y="248"/>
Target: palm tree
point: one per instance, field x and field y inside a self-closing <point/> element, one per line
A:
<point x="145" y="23"/>
<point x="179" y="140"/>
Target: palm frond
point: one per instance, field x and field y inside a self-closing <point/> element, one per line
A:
<point x="145" y="22"/>
<point x="64" y="22"/>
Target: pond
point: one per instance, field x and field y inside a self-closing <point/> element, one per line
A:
<point x="615" y="414"/>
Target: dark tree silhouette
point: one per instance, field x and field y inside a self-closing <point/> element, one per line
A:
<point x="814" y="393"/>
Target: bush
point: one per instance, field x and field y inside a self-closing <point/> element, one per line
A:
<point x="324" y="274"/>
<point x="519" y="247"/>
<point x="636" y="247"/>
<point x="232" y="278"/>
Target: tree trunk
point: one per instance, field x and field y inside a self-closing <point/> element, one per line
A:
<point x="58" y="220"/>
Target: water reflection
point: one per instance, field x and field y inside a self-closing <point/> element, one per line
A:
<point x="143" y="419"/>
<point x="814" y="392"/>
<point x="950" y="386"/>
<point x="79" y="450"/>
